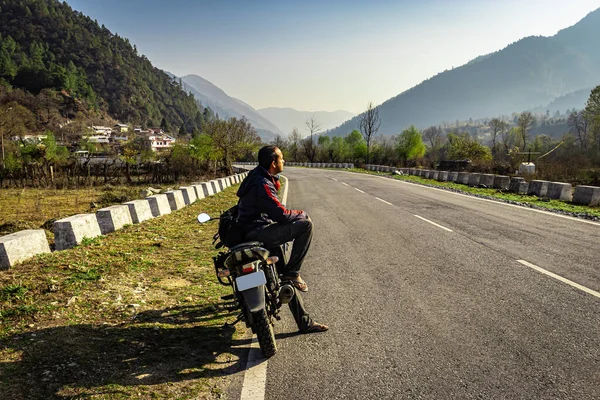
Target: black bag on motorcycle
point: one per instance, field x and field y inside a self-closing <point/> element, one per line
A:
<point x="230" y="231"/>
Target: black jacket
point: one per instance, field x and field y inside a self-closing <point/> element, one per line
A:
<point x="259" y="204"/>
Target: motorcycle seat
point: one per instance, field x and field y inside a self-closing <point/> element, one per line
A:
<point x="244" y="253"/>
<point x="245" y="244"/>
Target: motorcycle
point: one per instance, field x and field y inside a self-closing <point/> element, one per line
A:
<point x="258" y="291"/>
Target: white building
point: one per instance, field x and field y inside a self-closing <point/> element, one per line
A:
<point x="160" y="142"/>
<point x="100" y="139"/>
<point x="101" y="130"/>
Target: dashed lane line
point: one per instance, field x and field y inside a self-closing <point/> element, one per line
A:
<point x="433" y="223"/>
<point x="344" y="183"/>
<point x="585" y="221"/>
<point x="358" y="190"/>
<point x="560" y="278"/>
<point x="386" y="202"/>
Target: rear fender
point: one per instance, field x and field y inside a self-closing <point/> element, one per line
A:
<point x="254" y="298"/>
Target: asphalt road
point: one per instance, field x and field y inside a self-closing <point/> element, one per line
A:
<point x="425" y="297"/>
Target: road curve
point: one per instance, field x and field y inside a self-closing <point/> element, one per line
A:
<point x="431" y="295"/>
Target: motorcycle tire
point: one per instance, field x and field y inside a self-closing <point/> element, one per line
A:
<point x="264" y="332"/>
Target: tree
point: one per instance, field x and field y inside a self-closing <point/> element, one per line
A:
<point x="497" y="128"/>
<point x="308" y="145"/>
<point x="369" y="123"/>
<point x="294" y="143"/>
<point x="461" y="146"/>
<point x="14" y="120"/>
<point x="592" y="114"/>
<point x="525" y="122"/>
<point x="340" y="149"/>
<point x="280" y="142"/>
<point x="579" y="126"/>
<point x="233" y="138"/>
<point x="433" y="135"/>
<point x="357" y="145"/>
<point x="410" y="145"/>
<point x="325" y="151"/>
<point x="164" y="125"/>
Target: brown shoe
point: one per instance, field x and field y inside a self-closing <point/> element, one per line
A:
<point x="315" y="327"/>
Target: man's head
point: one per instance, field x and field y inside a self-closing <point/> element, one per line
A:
<point x="271" y="159"/>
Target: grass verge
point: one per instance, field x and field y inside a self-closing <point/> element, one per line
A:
<point x="134" y="314"/>
<point x="530" y="201"/>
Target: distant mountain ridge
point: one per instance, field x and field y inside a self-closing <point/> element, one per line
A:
<point x="532" y="72"/>
<point x="214" y="97"/>
<point x="288" y="118"/>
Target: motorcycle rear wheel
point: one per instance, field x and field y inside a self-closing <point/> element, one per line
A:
<point x="264" y="332"/>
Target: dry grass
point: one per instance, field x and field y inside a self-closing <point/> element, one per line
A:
<point x="134" y="314"/>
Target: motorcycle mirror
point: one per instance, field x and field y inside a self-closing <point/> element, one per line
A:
<point x="204" y="217"/>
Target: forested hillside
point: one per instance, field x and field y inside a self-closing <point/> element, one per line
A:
<point x="44" y="44"/>
<point x="527" y="74"/>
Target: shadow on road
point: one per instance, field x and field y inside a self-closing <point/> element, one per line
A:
<point x="158" y="346"/>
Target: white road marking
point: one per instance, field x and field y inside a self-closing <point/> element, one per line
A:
<point x="433" y="223"/>
<point x="386" y="202"/>
<point x="358" y="190"/>
<point x="344" y="183"/>
<point x="560" y="278"/>
<point x="285" y="190"/>
<point x="585" y="221"/>
<point x="334" y="179"/>
<point x="255" y="378"/>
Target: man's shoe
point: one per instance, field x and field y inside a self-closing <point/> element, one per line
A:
<point x="315" y="327"/>
<point x="297" y="282"/>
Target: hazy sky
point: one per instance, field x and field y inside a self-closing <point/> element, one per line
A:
<point x="325" y="55"/>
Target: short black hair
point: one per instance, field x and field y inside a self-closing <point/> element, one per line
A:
<point x="266" y="156"/>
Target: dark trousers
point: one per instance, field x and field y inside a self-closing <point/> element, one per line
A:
<point x="300" y="231"/>
<point x="296" y="305"/>
<point x="273" y="235"/>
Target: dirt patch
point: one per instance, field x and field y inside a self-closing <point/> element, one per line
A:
<point x="173" y="283"/>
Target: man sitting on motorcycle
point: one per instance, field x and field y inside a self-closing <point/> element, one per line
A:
<point x="266" y="220"/>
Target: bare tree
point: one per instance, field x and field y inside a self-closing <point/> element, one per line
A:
<point x="280" y="142"/>
<point x="294" y="141"/>
<point x="314" y="127"/>
<point x="525" y="122"/>
<point x="498" y="129"/>
<point x="578" y="126"/>
<point x="369" y="123"/>
<point x="433" y="135"/>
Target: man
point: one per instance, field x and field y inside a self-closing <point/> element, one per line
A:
<point x="268" y="221"/>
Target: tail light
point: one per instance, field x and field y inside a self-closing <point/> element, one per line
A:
<point x="247" y="268"/>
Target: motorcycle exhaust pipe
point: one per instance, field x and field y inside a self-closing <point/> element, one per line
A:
<point x="286" y="293"/>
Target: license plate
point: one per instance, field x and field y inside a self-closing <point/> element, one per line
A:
<point x="250" y="281"/>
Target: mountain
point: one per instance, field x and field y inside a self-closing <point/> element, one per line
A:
<point x="527" y="74"/>
<point x="46" y="45"/>
<point x="576" y="99"/>
<point x="212" y="96"/>
<point x="288" y="118"/>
